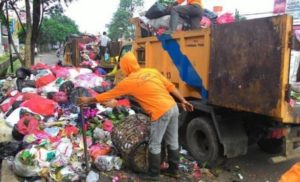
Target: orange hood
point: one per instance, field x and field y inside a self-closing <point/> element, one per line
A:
<point x="129" y="64"/>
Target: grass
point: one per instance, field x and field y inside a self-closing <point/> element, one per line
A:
<point x="17" y="64"/>
<point x="4" y="58"/>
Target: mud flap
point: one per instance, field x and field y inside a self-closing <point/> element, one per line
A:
<point x="234" y="138"/>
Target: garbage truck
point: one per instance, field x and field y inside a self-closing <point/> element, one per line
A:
<point x="237" y="77"/>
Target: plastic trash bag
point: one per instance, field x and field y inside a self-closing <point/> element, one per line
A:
<point x="107" y="163"/>
<point x="44" y="80"/>
<point x="100" y="71"/>
<point x="60" y="97"/>
<point x="66" y="87"/>
<point x="92" y="177"/>
<point x="88" y="80"/>
<point x="10" y="148"/>
<point x="27" y="125"/>
<point x="155" y="11"/>
<point x="60" y="72"/>
<point x="45" y="107"/>
<point x="40" y="66"/>
<point x="78" y="92"/>
<point x="101" y="135"/>
<point x="99" y="150"/>
<point x="25" y="164"/>
<point x="225" y="18"/>
<point x="51" y="87"/>
<point x="65" y="147"/>
<point x="22" y="73"/>
<point x="161" y="22"/>
<point x="14" y="106"/>
<point x="16" y="134"/>
<point x="21" y="84"/>
<point x="7" y="103"/>
<point x="74" y="72"/>
<point x="67" y="174"/>
<point x="6" y="131"/>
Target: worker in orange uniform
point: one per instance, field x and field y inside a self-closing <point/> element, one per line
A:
<point x="292" y="175"/>
<point x="192" y="10"/>
<point x="152" y="91"/>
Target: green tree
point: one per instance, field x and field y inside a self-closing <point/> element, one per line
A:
<point x="56" y="29"/>
<point x="238" y="16"/>
<point x="166" y="2"/>
<point x="35" y="10"/>
<point x="4" y="5"/>
<point x="120" y="25"/>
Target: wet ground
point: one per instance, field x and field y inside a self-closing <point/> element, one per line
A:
<point x="253" y="167"/>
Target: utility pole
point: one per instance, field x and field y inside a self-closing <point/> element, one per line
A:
<point x="9" y="39"/>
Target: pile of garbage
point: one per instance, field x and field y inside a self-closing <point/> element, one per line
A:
<point x="40" y="105"/>
<point x="90" y="53"/>
<point x="157" y="18"/>
<point x="48" y="127"/>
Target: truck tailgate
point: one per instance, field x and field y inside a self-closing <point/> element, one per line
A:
<point x="249" y="64"/>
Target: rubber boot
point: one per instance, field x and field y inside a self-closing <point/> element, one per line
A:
<point x="173" y="158"/>
<point x="154" y="168"/>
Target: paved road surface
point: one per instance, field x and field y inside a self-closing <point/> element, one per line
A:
<point x="48" y="58"/>
<point x="254" y="167"/>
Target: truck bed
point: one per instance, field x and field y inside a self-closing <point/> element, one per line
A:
<point x="242" y="66"/>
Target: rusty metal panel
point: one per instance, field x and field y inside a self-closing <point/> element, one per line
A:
<point x="246" y="65"/>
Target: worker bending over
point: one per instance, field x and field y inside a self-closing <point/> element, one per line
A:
<point x="152" y="91"/>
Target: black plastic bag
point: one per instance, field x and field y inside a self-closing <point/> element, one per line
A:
<point x="10" y="148"/>
<point x="22" y="73"/>
<point x="21" y="83"/>
<point x="15" y="105"/>
<point x="78" y="92"/>
<point x="16" y="134"/>
<point x="157" y="10"/>
<point x="67" y="87"/>
<point x="24" y="112"/>
<point x="101" y="89"/>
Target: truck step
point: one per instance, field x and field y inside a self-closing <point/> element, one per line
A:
<point x="291" y="146"/>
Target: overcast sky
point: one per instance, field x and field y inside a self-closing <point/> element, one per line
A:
<point x="92" y="15"/>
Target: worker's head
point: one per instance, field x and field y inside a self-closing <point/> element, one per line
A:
<point x="104" y="33"/>
<point x="129" y="64"/>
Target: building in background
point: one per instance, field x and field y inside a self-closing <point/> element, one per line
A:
<point x="291" y="7"/>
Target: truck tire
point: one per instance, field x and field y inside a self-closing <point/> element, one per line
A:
<point x="202" y="141"/>
<point x="271" y="145"/>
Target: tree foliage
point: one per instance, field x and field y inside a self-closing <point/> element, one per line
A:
<point x="56" y="29"/>
<point x="238" y="16"/>
<point x="35" y="11"/>
<point x="166" y="2"/>
<point x="120" y="25"/>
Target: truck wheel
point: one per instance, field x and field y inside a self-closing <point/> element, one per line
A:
<point x="271" y="145"/>
<point x="202" y="141"/>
